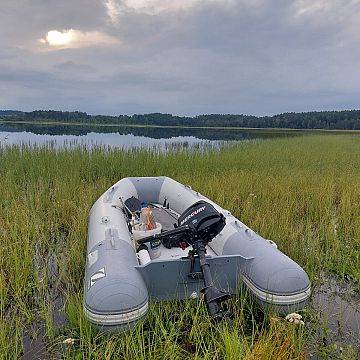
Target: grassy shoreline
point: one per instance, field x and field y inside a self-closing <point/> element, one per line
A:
<point x="302" y="192"/>
<point x="318" y="131"/>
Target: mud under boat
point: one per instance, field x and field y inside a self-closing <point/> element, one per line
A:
<point x="121" y="276"/>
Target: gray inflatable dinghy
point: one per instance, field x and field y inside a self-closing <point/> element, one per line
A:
<point x="120" y="277"/>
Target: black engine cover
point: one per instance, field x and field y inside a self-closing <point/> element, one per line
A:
<point x="205" y="221"/>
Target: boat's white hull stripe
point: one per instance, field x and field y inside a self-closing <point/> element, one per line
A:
<point x="116" y="319"/>
<point x="277" y="299"/>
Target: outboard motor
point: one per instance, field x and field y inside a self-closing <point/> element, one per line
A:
<point x="197" y="226"/>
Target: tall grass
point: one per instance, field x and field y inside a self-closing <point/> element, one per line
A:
<point x="302" y="192"/>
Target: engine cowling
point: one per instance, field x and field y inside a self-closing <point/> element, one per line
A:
<point x="204" y="220"/>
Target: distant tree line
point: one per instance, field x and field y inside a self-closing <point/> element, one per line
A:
<point x="347" y="119"/>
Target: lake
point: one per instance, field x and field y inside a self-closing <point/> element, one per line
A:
<point x="67" y="136"/>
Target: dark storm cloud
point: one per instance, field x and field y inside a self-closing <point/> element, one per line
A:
<point x="184" y="57"/>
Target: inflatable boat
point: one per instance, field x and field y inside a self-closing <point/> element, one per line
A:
<point x="194" y="248"/>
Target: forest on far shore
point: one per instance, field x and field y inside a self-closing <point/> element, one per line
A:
<point x="342" y="120"/>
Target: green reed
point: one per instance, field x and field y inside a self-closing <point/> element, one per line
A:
<point x="301" y="192"/>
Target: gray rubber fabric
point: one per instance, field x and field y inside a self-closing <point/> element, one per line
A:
<point x="270" y="275"/>
<point x="117" y="288"/>
<point x="148" y="189"/>
<point x="115" y="294"/>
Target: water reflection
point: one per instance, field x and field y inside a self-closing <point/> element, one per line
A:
<point x="59" y="136"/>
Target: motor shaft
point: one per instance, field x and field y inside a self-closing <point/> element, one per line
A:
<point x="213" y="296"/>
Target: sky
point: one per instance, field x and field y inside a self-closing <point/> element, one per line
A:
<point x="184" y="57"/>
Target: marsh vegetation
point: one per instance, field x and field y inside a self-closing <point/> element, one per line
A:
<point x="301" y="192"/>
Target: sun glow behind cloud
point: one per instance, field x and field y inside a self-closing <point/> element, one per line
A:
<point x="76" y="39"/>
<point x="58" y="38"/>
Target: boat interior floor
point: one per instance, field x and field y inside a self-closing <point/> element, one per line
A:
<point x="167" y="218"/>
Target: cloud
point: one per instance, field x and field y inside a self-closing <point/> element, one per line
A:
<point x="185" y="57"/>
<point x="309" y="7"/>
<point x="72" y="66"/>
<point x="117" y="8"/>
<point x="323" y="11"/>
<point x="154" y="7"/>
<point x="113" y="10"/>
<point x="73" y="39"/>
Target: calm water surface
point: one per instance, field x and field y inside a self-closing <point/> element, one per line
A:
<point x="67" y="136"/>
